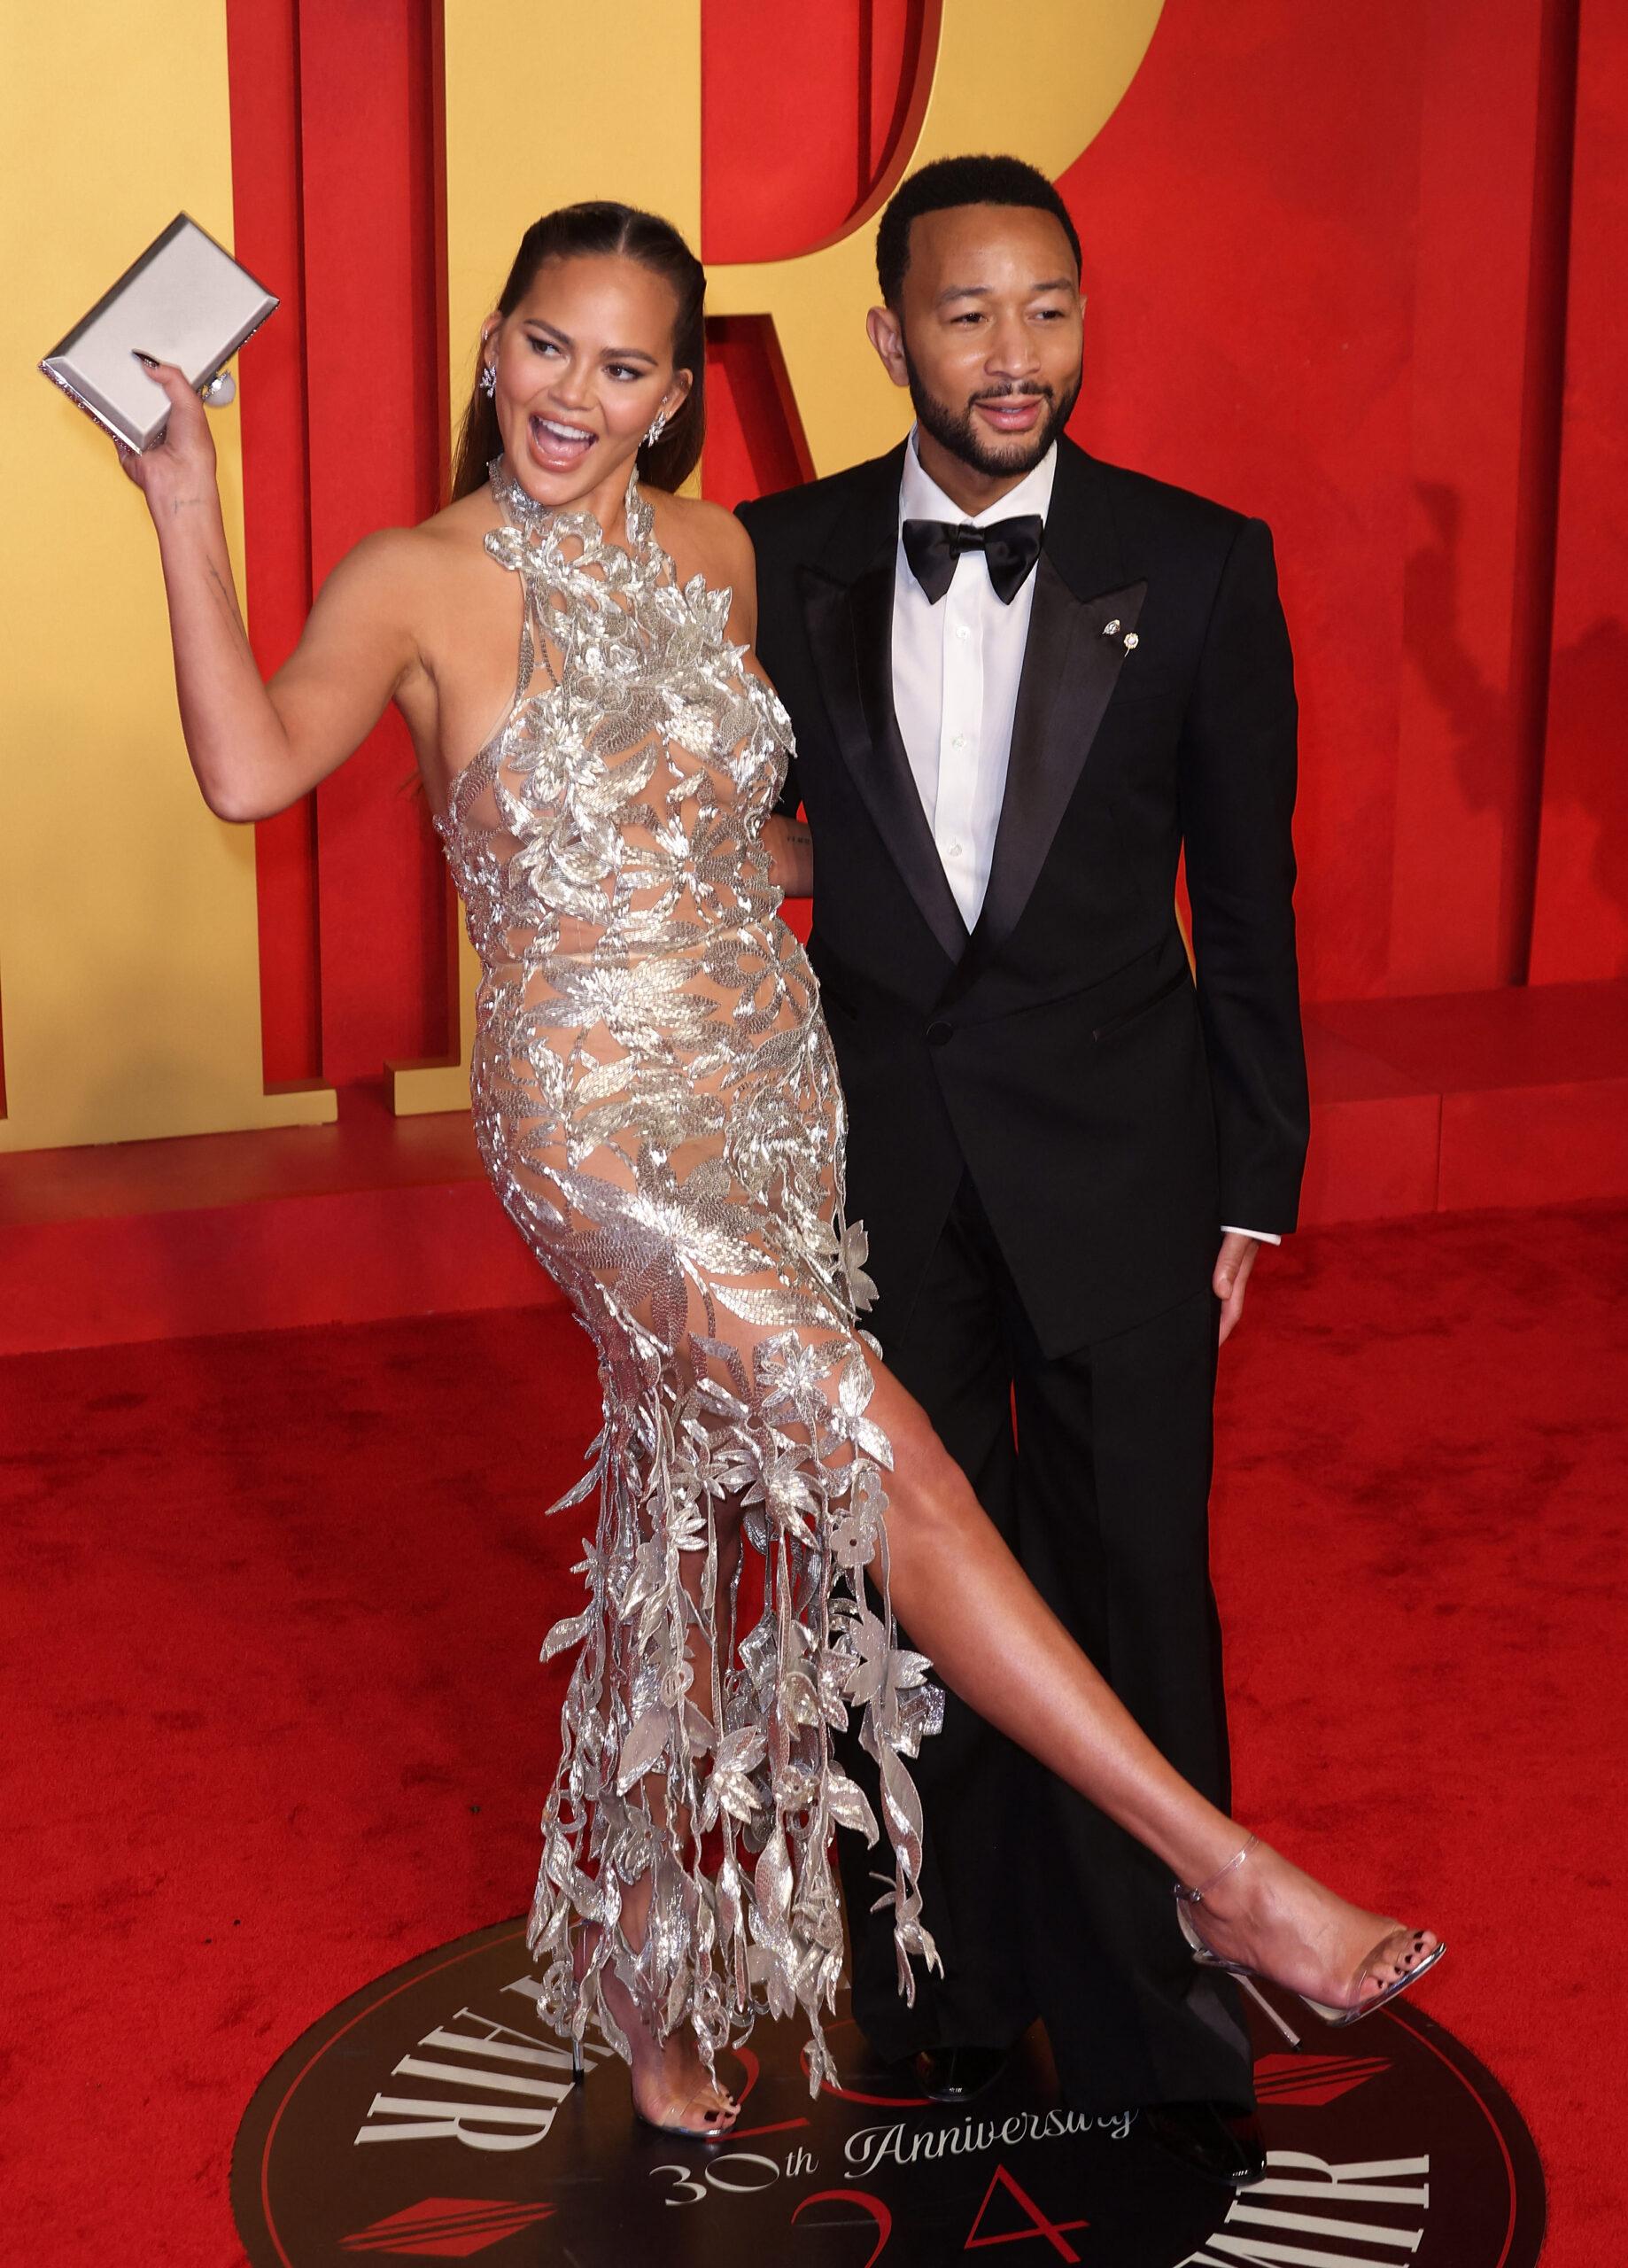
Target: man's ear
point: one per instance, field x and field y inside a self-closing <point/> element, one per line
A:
<point x="883" y="330"/>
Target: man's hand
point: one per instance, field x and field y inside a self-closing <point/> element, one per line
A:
<point x="1230" y="1280"/>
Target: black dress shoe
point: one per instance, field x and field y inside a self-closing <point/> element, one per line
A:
<point x="953" y="2074"/>
<point x="1221" y="2144"/>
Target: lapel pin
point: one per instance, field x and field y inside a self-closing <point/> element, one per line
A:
<point x="1110" y="629"/>
<point x="1130" y="639"/>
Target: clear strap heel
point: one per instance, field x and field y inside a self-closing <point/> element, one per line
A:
<point x="1405" y="1972"/>
<point x="714" y="2122"/>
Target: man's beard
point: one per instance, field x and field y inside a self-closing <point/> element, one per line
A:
<point x="954" y="429"/>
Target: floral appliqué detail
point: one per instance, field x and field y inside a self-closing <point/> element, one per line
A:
<point x="657" y="1104"/>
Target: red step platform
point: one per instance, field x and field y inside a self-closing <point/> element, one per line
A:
<point x="375" y="1216"/>
<point x="1517" y="1098"/>
<point x="1459" y="1101"/>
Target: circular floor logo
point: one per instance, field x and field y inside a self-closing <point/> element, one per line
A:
<point x="431" y="2117"/>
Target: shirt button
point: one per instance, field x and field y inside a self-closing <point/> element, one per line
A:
<point x="952" y="850"/>
<point x="959" y="740"/>
<point x="962" y="631"/>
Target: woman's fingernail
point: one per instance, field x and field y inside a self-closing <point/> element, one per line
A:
<point x="151" y="361"/>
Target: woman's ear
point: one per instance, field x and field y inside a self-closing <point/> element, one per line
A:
<point x="678" y="393"/>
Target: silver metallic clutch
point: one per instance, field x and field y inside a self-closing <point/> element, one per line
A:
<point x="185" y="301"/>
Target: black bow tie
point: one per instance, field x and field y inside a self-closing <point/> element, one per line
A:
<point x="1011" y="548"/>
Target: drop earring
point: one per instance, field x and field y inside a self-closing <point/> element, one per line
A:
<point x="654" y="430"/>
<point x="488" y="380"/>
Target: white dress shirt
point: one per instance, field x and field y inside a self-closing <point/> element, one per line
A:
<point x="956" y="669"/>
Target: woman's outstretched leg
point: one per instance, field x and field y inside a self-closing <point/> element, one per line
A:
<point x="965" y="1601"/>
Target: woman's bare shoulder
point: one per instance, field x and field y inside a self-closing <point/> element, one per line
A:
<point x="457" y="531"/>
<point x="411" y="562"/>
<point x="703" y="539"/>
<point x="405" y="550"/>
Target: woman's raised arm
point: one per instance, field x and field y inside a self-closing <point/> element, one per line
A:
<point x="256" y="749"/>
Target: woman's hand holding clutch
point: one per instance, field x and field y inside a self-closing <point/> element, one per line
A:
<point x="175" y="474"/>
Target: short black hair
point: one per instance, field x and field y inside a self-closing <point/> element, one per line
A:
<point x="950" y="181"/>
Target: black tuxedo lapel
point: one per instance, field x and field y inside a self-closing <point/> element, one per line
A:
<point x="848" y="605"/>
<point x="1083" y="611"/>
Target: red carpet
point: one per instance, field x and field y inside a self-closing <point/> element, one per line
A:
<point x="277" y="1722"/>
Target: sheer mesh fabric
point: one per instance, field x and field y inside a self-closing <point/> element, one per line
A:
<point x="657" y="1104"/>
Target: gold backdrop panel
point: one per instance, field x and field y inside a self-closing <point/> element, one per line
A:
<point x="1044" y="96"/>
<point x="129" y="975"/>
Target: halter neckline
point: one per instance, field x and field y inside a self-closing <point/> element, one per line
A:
<point x="523" y="510"/>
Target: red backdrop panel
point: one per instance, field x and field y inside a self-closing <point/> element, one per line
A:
<point x="336" y="125"/>
<point x="368" y="139"/>
<point x="798" y="123"/>
<point x="1581" y="926"/>
<point x="1309" y="241"/>
<point x="1325" y="252"/>
<point x="265" y="105"/>
<point x="786" y="125"/>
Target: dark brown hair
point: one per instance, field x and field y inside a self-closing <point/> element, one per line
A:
<point x="600" y="226"/>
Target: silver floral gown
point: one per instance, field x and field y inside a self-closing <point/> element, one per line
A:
<point x="656" y="1102"/>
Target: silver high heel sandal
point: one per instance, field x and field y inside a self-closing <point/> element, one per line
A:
<point x="1405" y="1972"/>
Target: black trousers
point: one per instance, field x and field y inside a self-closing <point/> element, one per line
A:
<point x="1039" y="1904"/>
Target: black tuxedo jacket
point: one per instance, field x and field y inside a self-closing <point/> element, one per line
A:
<point x="1112" y="1117"/>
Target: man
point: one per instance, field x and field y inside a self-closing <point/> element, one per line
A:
<point x="1021" y="682"/>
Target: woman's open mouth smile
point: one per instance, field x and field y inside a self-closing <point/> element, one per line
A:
<point x="558" y="445"/>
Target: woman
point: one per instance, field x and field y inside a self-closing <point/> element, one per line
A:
<point x="656" y="1103"/>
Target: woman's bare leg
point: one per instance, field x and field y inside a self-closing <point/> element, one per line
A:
<point x="968" y="1604"/>
<point x="672" y="2087"/>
